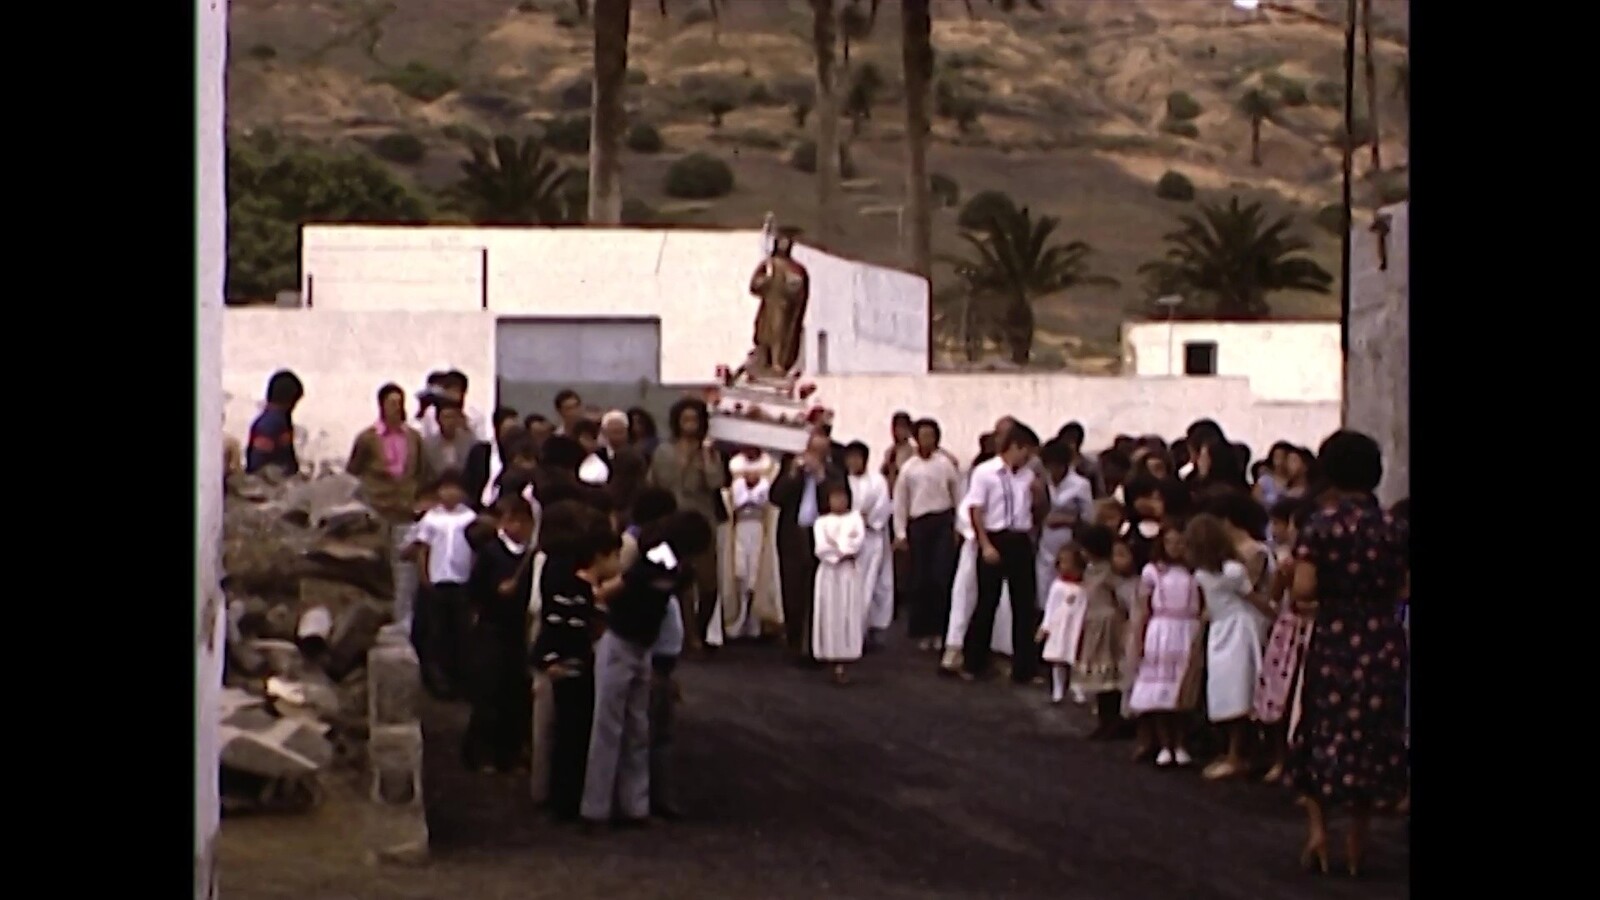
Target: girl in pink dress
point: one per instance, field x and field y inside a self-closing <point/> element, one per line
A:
<point x="1169" y="601"/>
<point x="1286" y="644"/>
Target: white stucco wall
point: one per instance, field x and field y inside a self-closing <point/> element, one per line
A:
<point x="967" y="405"/>
<point x="1378" y="381"/>
<point x="695" y="282"/>
<point x="211" y="36"/>
<point x="343" y="358"/>
<point x="1293" y="362"/>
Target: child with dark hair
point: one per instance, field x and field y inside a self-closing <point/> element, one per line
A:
<point x="1063" y="619"/>
<point x="1286" y="642"/>
<point x="617" y="780"/>
<point x="1097" y="669"/>
<point x="579" y="546"/>
<point x="1170" y="631"/>
<point x="495" y="664"/>
<point x="443" y="553"/>
<point x="839" y="608"/>
<point x="271" y="440"/>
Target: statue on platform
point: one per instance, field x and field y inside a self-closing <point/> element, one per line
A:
<point x="784" y="287"/>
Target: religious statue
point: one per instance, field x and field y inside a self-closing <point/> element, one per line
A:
<point x="784" y="288"/>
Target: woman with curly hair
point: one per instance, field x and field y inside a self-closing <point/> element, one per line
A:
<point x="695" y="473"/>
<point x="1352" y="564"/>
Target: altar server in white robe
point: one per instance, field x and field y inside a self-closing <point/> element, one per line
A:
<point x="838" y="607"/>
<point x="964" y="598"/>
<point x="749" y="550"/>
<point x="869" y="493"/>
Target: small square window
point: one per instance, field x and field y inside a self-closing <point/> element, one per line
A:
<point x="1200" y="358"/>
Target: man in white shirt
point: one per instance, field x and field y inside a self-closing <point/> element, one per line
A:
<point x="1001" y="494"/>
<point x="925" y="495"/>
<point x="453" y="384"/>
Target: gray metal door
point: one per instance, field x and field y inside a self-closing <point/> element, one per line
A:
<point x="607" y="351"/>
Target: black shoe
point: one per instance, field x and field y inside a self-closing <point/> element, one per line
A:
<point x="666" y="812"/>
<point x="633" y="824"/>
<point x="590" y="826"/>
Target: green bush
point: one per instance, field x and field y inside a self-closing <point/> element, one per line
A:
<point x="1182" y="107"/>
<point x="1182" y="129"/>
<point x="527" y="6"/>
<point x="1291" y="91"/>
<point x="643" y="137"/>
<point x="1331" y="218"/>
<point x="698" y="15"/>
<point x="1174" y="186"/>
<point x="1327" y="93"/>
<point x="984" y="206"/>
<point x="263" y="52"/>
<point x="944" y="190"/>
<point x="569" y="134"/>
<point x="400" y="147"/>
<point x="750" y="137"/>
<point x="804" y="158"/>
<point x="464" y="134"/>
<point x="636" y="77"/>
<point x="698" y="176"/>
<point x="567" y="19"/>
<point x="637" y="212"/>
<point x="576" y="93"/>
<point x="420" y="81"/>
<point x="1393" y="187"/>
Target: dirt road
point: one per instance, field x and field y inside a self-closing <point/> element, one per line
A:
<point x="901" y="785"/>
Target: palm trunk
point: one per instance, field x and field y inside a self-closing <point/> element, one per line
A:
<point x="1255" y="140"/>
<point x="916" y="26"/>
<point x="1371" y="73"/>
<point x="608" y="115"/>
<point x="824" y="36"/>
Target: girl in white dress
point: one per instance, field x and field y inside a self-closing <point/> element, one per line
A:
<point x="1234" y="638"/>
<point x="1063" y="619"/>
<point x="1169" y="612"/>
<point x="839" y="607"/>
<point x="870" y="497"/>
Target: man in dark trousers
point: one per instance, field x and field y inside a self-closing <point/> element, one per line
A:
<point x="798" y="495"/>
<point x="1001" y="495"/>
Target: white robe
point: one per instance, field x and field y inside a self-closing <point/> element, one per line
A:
<point x="1234" y="640"/>
<point x="964" y="591"/>
<point x="752" y="566"/>
<point x="839" y="610"/>
<point x="870" y="496"/>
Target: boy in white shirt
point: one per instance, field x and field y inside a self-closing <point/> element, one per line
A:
<point x="444" y="563"/>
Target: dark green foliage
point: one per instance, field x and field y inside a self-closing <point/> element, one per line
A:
<point x="1235" y="255"/>
<point x="636" y="78"/>
<point x="577" y="93"/>
<point x="400" y="147"/>
<point x="1182" y="107"/>
<point x="642" y="137"/>
<point x="637" y="212"/>
<point x="1331" y="218"/>
<point x="420" y="81"/>
<point x="511" y="182"/>
<point x="1175" y="186"/>
<point x="698" y="176"/>
<point x="1290" y="92"/>
<point x="1327" y="93"/>
<point x="984" y="207"/>
<point x="263" y="52"/>
<point x="1393" y="187"/>
<point x="804" y="159"/>
<point x="944" y="189"/>
<point x="1181" y="129"/>
<point x="274" y="187"/>
<point x="568" y="134"/>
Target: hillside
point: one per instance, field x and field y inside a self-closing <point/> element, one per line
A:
<point x="1072" y="113"/>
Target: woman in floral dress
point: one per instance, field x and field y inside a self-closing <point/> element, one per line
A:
<point x="1352" y="562"/>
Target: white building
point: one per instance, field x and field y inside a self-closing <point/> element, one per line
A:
<point x="1378" y="382"/>
<point x="1297" y="362"/>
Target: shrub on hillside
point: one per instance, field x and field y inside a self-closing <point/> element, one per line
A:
<point x="984" y="207"/>
<point x="1327" y="93"/>
<point x="1182" y="107"/>
<point x="636" y="77"/>
<point x="643" y="137"/>
<point x="1393" y="187"/>
<point x="698" y="15"/>
<point x="576" y="93"/>
<point x="698" y="176"/>
<point x="1331" y="218"/>
<point x="263" y="52"/>
<point x="799" y="94"/>
<point x="420" y="81"/>
<point x="803" y="158"/>
<point x="1182" y="129"/>
<point x="569" y="134"/>
<point x="637" y="212"/>
<point x="1289" y="90"/>
<point x="944" y="190"/>
<point x="1175" y="186"/>
<point x="400" y="147"/>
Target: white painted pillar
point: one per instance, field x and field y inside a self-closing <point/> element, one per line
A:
<point x="210" y="608"/>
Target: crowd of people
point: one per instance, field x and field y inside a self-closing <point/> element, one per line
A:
<point x="1192" y="599"/>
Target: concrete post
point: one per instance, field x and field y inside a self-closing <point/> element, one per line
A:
<point x="1378" y="372"/>
<point x="211" y="39"/>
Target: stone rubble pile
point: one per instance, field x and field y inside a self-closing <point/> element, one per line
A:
<point x="309" y="588"/>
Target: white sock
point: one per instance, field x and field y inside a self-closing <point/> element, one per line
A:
<point x="1058" y="682"/>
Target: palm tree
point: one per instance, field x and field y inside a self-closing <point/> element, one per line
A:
<point x="1258" y="106"/>
<point x="511" y="183"/>
<point x="916" y="59"/>
<point x="608" y="116"/>
<point x="824" y="37"/>
<point x="1237" y="256"/>
<point x="1370" y="71"/>
<point x="1016" y="261"/>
